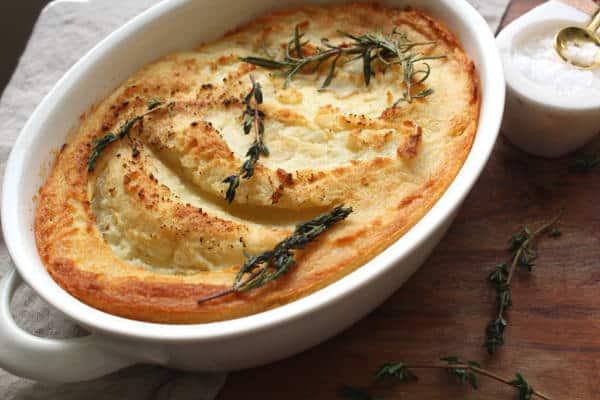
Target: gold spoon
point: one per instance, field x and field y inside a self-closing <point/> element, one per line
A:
<point x="576" y="36"/>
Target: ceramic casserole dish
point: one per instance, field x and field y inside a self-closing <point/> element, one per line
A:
<point x="116" y="342"/>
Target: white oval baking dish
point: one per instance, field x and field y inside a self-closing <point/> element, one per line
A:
<point x="116" y="342"/>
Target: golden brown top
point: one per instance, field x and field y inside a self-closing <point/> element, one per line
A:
<point x="149" y="231"/>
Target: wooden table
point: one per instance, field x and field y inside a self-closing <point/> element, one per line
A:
<point x="554" y="332"/>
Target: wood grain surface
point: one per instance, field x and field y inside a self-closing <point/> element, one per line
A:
<point x="554" y="332"/>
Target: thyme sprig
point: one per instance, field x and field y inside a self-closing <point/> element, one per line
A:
<point x="253" y="121"/>
<point x="100" y="144"/>
<point x="261" y="269"/>
<point x="389" y="49"/>
<point x="464" y="371"/>
<point x="522" y="246"/>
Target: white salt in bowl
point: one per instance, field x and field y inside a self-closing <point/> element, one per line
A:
<point x="551" y="109"/>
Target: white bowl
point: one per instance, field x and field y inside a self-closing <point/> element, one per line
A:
<point x="117" y="342"/>
<point x="537" y="119"/>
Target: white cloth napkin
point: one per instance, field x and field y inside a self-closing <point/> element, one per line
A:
<point x="65" y="31"/>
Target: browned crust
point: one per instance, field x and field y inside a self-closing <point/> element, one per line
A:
<point x="410" y="147"/>
<point x="173" y="299"/>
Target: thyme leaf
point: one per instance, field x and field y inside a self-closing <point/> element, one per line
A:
<point x="525" y="390"/>
<point x="586" y="163"/>
<point x="463" y="371"/>
<point x="386" y="49"/>
<point x="522" y="248"/>
<point x="155" y="102"/>
<point x="261" y="269"/>
<point x="554" y="233"/>
<point x="397" y="371"/>
<point x="253" y="121"/>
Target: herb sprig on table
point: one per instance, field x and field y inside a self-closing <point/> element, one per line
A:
<point x="394" y="48"/>
<point x="100" y="144"/>
<point x="260" y="269"/>
<point x="465" y="372"/>
<point x="253" y="122"/>
<point x="522" y="247"/>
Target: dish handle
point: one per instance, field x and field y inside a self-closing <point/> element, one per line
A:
<point x="56" y="360"/>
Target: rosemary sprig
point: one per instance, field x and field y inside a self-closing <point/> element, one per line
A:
<point x="253" y="121"/>
<point x="260" y="269"/>
<point x="464" y="371"/>
<point x="100" y="144"/>
<point x="373" y="47"/>
<point x="522" y="247"/>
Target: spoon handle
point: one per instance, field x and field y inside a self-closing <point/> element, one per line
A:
<point x="595" y="22"/>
